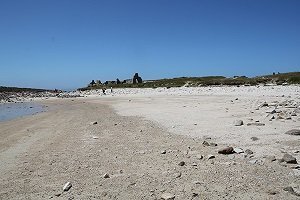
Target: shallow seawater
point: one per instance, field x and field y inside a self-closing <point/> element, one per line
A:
<point x="10" y="111"/>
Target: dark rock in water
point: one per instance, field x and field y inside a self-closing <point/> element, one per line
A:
<point x="227" y="150"/>
<point x="255" y="124"/>
<point x="293" y="132"/>
<point x="136" y="79"/>
<point x="289" y="159"/>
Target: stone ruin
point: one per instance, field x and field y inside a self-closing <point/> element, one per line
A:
<point x="136" y="79"/>
<point x="94" y="83"/>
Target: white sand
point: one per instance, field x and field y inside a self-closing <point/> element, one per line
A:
<point x="210" y="112"/>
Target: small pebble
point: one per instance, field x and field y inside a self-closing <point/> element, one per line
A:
<point x="106" y="176"/>
<point x="67" y="186"/>
<point x="254" y="138"/>
<point x="227" y="150"/>
<point x="167" y="196"/>
<point x="163" y="152"/>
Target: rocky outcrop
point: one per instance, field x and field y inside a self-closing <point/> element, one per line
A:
<point x="136" y="79"/>
<point x="118" y="81"/>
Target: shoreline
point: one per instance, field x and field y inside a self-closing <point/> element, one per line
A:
<point x="10" y="111"/>
<point x="19" y="97"/>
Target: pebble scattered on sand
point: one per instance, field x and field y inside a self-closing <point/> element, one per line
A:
<point x="238" y="123"/>
<point x="67" y="186"/>
<point x="289" y="159"/>
<point x="254" y="138"/>
<point x="272" y="192"/>
<point x="167" y="196"/>
<point x="254" y="161"/>
<point x="181" y="163"/>
<point x="293" y="132"/>
<point x="271" y="158"/>
<point x="106" y="176"/>
<point x="177" y="175"/>
<point x="205" y="143"/>
<point x="227" y="150"/>
<point x="248" y="151"/>
<point x="256" y="124"/>
<point x="238" y="150"/>
<point x="293" y="190"/>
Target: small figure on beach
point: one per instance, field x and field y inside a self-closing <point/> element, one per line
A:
<point x="103" y="90"/>
<point x="111" y="90"/>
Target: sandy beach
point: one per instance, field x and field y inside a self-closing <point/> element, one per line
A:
<point x="156" y="144"/>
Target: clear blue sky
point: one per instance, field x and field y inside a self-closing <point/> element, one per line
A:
<point x="66" y="43"/>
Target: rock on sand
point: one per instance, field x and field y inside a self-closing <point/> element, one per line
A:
<point x="293" y="132"/>
<point x="167" y="196"/>
<point x="227" y="150"/>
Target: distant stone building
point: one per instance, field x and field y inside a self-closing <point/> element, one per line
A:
<point x="109" y="82"/>
<point x="127" y="81"/>
<point x="92" y="83"/>
<point x="98" y="82"/>
<point x="239" y="77"/>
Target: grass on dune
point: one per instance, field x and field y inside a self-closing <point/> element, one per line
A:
<point x="279" y="79"/>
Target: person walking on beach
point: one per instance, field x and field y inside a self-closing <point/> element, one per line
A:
<point x="103" y="90"/>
